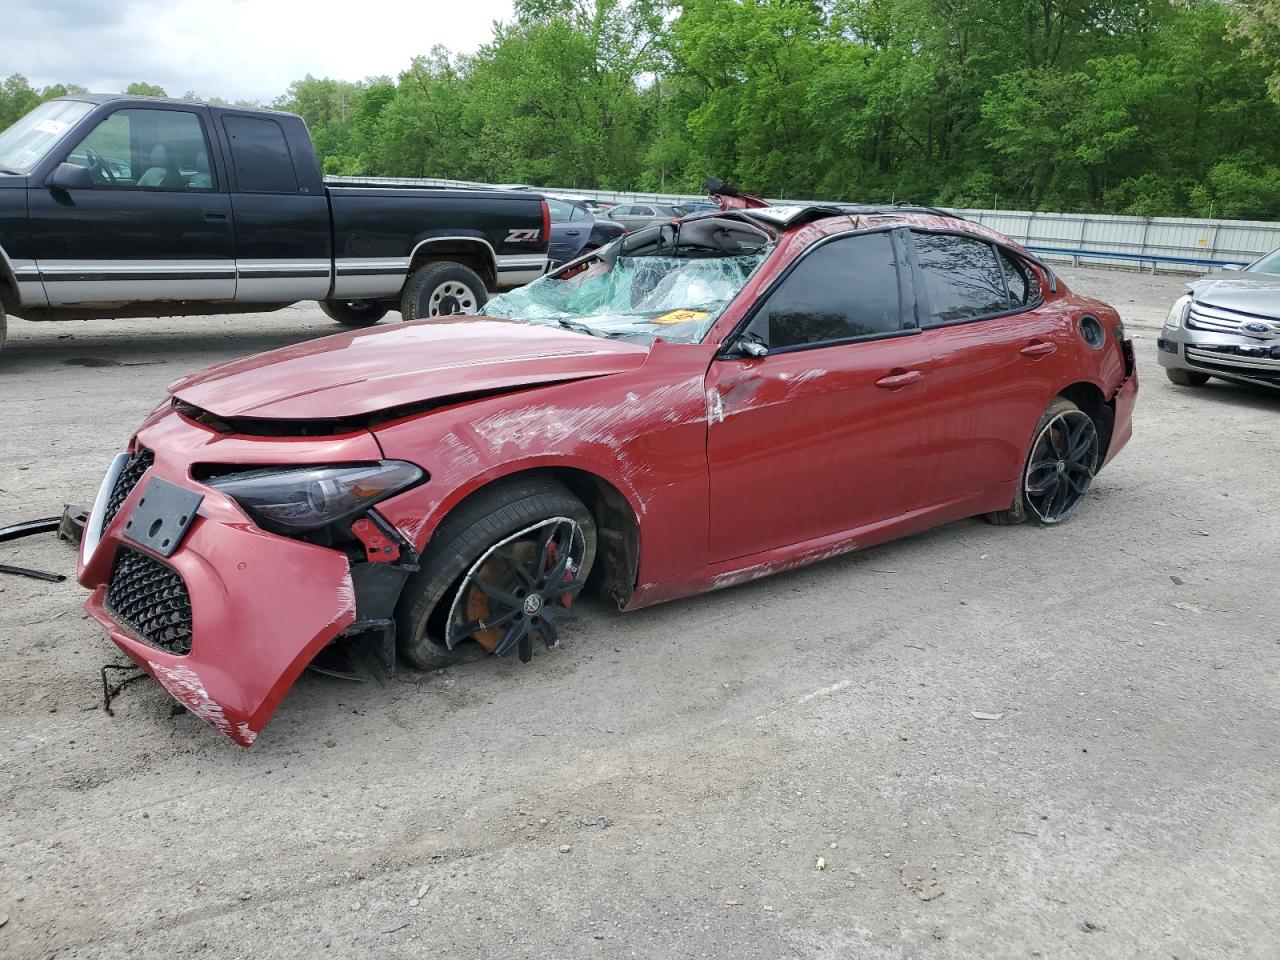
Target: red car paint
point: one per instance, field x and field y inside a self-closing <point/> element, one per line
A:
<point x="732" y="468"/>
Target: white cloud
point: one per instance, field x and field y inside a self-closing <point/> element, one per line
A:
<point x="250" y="49"/>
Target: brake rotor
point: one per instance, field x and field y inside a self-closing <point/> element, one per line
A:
<point x="498" y="573"/>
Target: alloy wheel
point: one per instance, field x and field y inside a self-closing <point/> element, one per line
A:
<point x="519" y="589"/>
<point x="1060" y="470"/>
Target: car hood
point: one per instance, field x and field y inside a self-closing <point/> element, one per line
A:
<point x="1256" y="293"/>
<point x="365" y="372"/>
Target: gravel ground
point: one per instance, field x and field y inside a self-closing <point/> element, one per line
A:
<point x="790" y="768"/>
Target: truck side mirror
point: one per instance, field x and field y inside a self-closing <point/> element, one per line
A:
<point x="70" y="176"/>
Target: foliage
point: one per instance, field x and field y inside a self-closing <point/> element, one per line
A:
<point x="1148" y="107"/>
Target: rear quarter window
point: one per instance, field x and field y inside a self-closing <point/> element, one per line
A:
<point x="963" y="279"/>
<point x="260" y="155"/>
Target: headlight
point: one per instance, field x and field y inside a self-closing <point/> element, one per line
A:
<point x="1178" y="312"/>
<point x="293" y="501"/>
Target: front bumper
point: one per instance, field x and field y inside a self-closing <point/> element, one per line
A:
<point x="1227" y="355"/>
<point x="257" y="607"/>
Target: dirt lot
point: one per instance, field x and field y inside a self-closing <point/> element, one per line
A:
<point x="667" y="783"/>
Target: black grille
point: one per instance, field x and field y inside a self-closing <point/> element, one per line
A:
<point x="137" y="465"/>
<point x="151" y="598"/>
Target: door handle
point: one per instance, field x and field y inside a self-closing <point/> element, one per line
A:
<point x="216" y="216"/>
<point x="1040" y="348"/>
<point x="571" y="233"/>
<point x="896" y="381"/>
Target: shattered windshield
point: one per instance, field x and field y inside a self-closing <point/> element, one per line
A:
<point x="642" y="286"/>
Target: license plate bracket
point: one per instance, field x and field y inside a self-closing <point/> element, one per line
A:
<point x="163" y="516"/>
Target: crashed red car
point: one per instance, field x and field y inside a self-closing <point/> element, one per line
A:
<point x="695" y="405"/>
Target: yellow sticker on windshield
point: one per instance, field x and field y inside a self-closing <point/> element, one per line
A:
<point x="681" y="316"/>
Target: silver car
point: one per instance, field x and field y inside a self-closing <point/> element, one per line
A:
<point x="1226" y="325"/>
<point x="633" y="216"/>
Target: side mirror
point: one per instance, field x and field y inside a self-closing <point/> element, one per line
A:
<point x="70" y="176"/>
<point x="750" y="346"/>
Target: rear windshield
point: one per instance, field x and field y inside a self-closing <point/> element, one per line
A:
<point x="26" y="143"/>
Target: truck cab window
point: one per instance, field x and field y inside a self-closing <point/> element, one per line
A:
<point x="148" y="150"/>
<point x="261" y="155"/>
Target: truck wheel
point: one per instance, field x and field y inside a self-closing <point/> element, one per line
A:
<point x="441" y="289"/>
<point x="353" y="313"/>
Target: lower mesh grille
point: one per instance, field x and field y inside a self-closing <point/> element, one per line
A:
<point x="138" y="464"/>
<point x="151" y="599"/>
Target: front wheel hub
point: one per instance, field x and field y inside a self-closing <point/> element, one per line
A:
<point x="519" y="589"/>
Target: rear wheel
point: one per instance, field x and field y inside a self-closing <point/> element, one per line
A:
<point x="442" y="289"/>
<point x="354" y="313"/>
<point x="1186" y="378"/>
<point x="498" y="577"/>
<point x="4" y="327"/>
<point x="1064" y="458"/>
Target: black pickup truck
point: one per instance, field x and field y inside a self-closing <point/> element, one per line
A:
<point x="142" y="207"/>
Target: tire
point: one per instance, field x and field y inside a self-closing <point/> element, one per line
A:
<point x="354" y="313"/>
<point x="1186" y="378"/>
<point x="4" y="327"/>
<point x="458" y="551"/>
<point x="441" y="289"/>
<point x="1071" y="476"/>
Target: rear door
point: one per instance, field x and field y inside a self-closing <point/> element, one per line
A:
<point x="282" y="225"/>
<point x="151" y="220"/>
<point x="991" y="365"/>
<point x="821" y="435"/>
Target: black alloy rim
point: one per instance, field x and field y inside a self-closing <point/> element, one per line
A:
<point x="520" y="589"/>
<point x="1062" y="465"/>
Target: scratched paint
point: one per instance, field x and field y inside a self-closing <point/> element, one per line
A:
<point x="185" y="686"/>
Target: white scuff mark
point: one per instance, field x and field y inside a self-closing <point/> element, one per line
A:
<point x="185" y="686"/>
<point x="459" y="454"/>
<point x="808" y="375"/>
<point x="346" y="599"/>
<point x="545" y="428"/>
<point x="758" y="570"/>
<point x="715" y="406"/>
<point x="412" y="531"/>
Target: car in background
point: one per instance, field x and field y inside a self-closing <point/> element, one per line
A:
<point x="635" y="216"/>
<point x="1226" y="325"/>
<point x="693" y="406"/>
<point x="575" y="230"/>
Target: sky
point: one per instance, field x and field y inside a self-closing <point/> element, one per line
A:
<point x="234" y="49"/>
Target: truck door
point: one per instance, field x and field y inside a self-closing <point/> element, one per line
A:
<point x="146" y="219"/>
<point x="283" y="249"/>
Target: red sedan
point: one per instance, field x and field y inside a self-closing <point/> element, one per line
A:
<point x="695" y="405"/>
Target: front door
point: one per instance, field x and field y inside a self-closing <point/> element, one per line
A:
<point x="149" y="221"/>
<point x="820" y="435"/>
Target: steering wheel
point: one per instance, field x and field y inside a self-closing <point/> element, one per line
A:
<point x="98" y="164"/>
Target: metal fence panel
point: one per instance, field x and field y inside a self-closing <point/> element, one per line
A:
<point x="1176" y="243"/>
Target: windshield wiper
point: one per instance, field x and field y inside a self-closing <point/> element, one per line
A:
<point x="580" y="327"/>
<point x="16" y="173"/>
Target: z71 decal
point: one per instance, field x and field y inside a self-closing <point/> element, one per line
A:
<point x="524" y="236"/>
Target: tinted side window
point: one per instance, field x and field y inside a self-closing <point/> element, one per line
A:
<point x="148" y="149"/>
<point x="1024" y="288"/>
<point x="844" y="289"/>
<point x="261" y="155"/>
<point x="962" y="277"/>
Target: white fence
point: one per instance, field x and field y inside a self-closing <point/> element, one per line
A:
<point x="1174" y="243"/>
